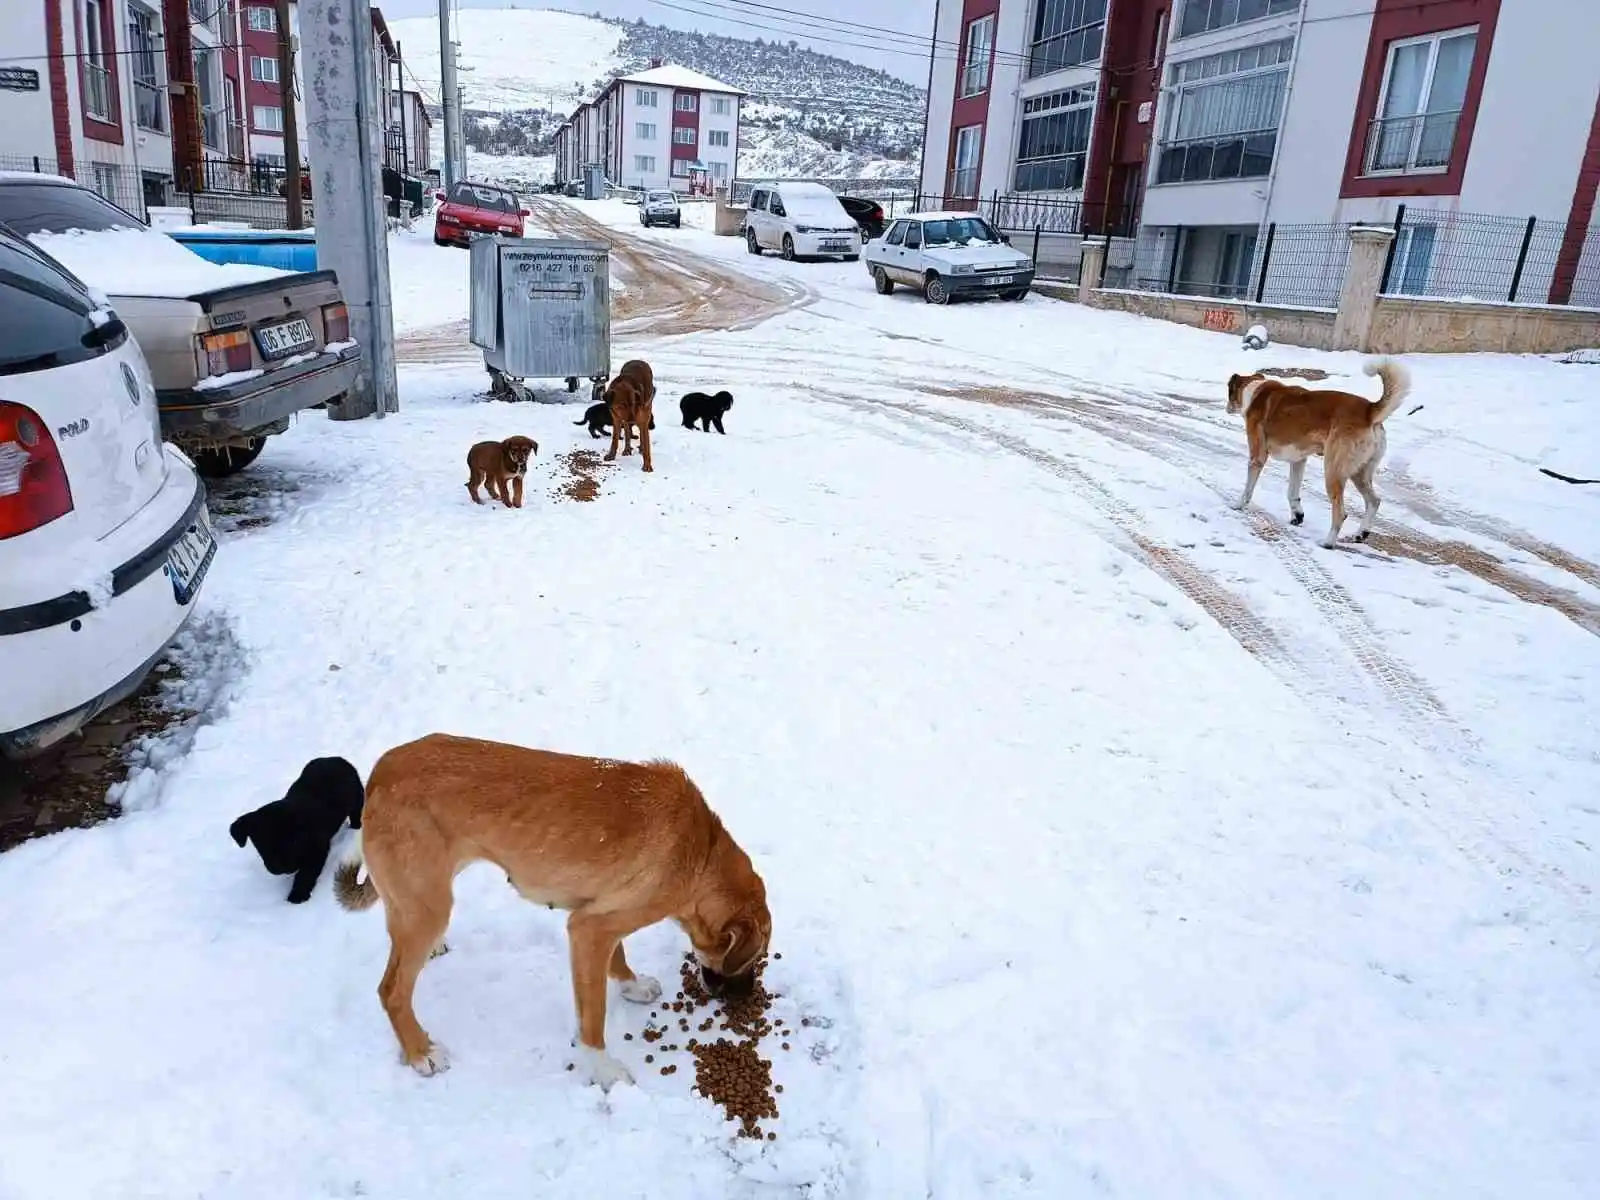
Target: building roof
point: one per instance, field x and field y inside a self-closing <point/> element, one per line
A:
<point x="674" y="76"/>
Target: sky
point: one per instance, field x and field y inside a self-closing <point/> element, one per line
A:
<point x="894" y="37"/>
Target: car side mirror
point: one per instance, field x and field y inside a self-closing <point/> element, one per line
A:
<point x="526" y="212"/>
<point x="438" y="195"/>
<point x="1006" y="238"/>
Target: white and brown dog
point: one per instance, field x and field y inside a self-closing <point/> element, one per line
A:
<point x="1291" y="423"/>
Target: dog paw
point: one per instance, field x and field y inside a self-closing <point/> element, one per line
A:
<point x="433" y="1061"/>
<point x="1241" y="505"/>
<point x="1330" y="543"/>
<point x="1362" y="536"/>
<point x="641" y="989"/>
<point x="440" y="950"/>
<point x="1298" y="519"/>
<point x="598" y="1067"/>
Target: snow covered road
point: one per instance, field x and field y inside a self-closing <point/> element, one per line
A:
<point x="1117" y="843"/>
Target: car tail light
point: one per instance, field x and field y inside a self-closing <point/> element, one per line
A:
<point x="33" y="479"/>
<point x="335" y="323"/>
<point x="224" y="353"/>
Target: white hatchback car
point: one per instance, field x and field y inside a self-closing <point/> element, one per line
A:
<point x="104" y="534"/>
<point x="946" y="255"/>
<point x="659" y="206"/>
<point x="800" y="220"/>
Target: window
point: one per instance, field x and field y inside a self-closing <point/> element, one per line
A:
<point x="683" y="136"/>
<point x="897" y="234"/>
<point x="267" y="117"/>
<point x="644" y="97"/>
<point x="680" y="168"/>
<point x="717" y="137"/>
<point x="758" y="201"/>
<point x="980" y="44"/>
<point x="964" y="172"/>
<point x="721" y="106"/>
<point x="145" y="60"/>
<point x="262" y="19"/>
<point x="913" y="236"/>
<point x="719" y="170"/>
<point x="1215" y="261"/>
<point x="213" y="117"/>
<point x="1424" y="90"/>
<point x="265" y="70"/>
<point x="1054" y="140"/>
<point x="478" y="195"/>
<point x="1202" y="16"/>
<point x="687" y="102"/>
<point x="1222" y="119"/>
<point x="645" y="131"/>
<point x="1413" y="256"/>
<point x="1066" y="33"/>
<point x="96" y="73"/>
<point x="645" y="164"/>
<point x="44" y="314"/>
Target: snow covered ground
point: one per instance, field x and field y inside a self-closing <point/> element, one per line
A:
<point x="1118" y="843"/>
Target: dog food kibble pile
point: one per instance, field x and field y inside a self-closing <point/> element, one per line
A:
<point x="728" y="1070"/>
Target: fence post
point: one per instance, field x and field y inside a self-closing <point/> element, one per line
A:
<point x="1037" y="230"/>
<point x="1266" y="258"/>
<point x="1522" y="260"/>
<point x="1091" y="268"/>
<point x="1388" y="263"/>
<point x="194" y="217"/>
<point x="1358" y="297"/>
<point x="1172" y="264"/>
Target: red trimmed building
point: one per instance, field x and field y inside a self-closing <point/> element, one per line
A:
<point x="1210" y="121"/>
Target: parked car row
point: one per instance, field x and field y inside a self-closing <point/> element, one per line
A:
<point x="129" y="367"/>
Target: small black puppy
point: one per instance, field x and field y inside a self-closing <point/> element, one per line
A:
<point x="598" y="419"/>
<point x="708" y="410"/>
<point x="292" y="835"/>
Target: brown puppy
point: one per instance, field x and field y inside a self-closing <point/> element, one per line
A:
<point x="619" y="845"/>
<point x="631" y="399"/>
<point x="1291" y="423"/>
<point x="501" y="465"/>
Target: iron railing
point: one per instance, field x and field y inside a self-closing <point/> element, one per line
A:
<point x="1014" y="212"/>
<point x="1396" y="145"/>
<point x="150" y="105"/>
<point x="97" y="90"/>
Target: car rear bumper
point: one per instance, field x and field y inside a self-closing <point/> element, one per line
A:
<point x="462" y="235"/>
<point x="811" y="245"/>
<point x="77" y="660"/>
<point x="242" y="408"/>
<point x="984" y="284"/>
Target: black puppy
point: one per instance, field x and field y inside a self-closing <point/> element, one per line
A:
<point x="292" y="835"/>
<point x="598" y="419"/>
<point x="708" y="410"/>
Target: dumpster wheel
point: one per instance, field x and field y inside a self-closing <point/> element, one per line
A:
<point x="599" y="389"/>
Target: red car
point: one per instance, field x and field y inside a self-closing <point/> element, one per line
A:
<point x="472" y="208"/>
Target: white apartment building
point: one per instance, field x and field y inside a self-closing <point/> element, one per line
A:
<point x="1219" y="120"/>
<point x="659" y="128"/>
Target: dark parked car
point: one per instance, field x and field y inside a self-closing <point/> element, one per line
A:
<point x="868" y="214"/>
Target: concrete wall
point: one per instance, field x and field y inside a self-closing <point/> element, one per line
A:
<point x="941" y="95"/>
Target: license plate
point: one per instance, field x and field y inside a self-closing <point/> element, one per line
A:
<point x="841" y="246"/>
<point x="1002" y="280"/>
<point x="190" y="558"/>
<point x="280" y="341"/>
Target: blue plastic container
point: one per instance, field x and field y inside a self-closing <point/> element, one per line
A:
<point x="288" y="250"/>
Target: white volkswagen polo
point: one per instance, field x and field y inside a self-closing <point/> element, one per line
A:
<point x="104" y="535"/>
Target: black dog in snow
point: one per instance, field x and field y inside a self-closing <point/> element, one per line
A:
<point x="708" y="410"/>
<point x="292" y="835"/>
<point x="598" y="418"/>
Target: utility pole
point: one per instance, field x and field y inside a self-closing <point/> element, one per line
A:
<point x="291" y="121"/>
<point x="345" y="129"/>
<point x="449" y="98"/>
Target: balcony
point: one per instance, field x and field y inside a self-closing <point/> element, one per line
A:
<point x="150" y="105"/>
<point x="204" y="13"/>
<point x="1415" y="144"/>
<point x="96" y="91"/>
<point x="214" y="128"/>
<point x="962" y="184"/>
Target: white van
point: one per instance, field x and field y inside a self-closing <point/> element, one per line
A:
<point x="800" y="220"/>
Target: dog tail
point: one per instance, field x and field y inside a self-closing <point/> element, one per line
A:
<point x="584" y="421"/>
<point x="352" y="885"/>
<point x="1396" y="387"/>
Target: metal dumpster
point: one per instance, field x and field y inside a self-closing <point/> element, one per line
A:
<point x="541" y="309"/>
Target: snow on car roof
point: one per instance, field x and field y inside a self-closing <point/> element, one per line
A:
<point x="143" y="262"/>
<point x="34" y="177"/>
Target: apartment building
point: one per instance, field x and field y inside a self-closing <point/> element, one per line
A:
<point x="264" y="89"/>
<point x="665" y="127"/>
<point x="1214" y="120"/>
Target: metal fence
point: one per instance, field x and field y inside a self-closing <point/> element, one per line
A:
<point x="120" y="183"/>
<point x="1435" y="254"/>
<point x="1020" y="212"/>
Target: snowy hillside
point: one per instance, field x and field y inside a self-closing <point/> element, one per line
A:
<point x="525" y="70"/>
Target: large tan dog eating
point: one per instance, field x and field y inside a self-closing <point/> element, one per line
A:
<point x="619" y="845"/>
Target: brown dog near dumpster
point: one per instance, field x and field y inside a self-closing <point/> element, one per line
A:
<point x="619" y="845"/>
<point x="631" y="399"/>
<point x="500" y="465"/>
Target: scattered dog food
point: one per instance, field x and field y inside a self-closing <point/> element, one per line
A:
<point x="731" y="1072"/>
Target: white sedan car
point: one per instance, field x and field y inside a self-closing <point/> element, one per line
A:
<point x="946" y="255"/>
<point x="104" y="535"/>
